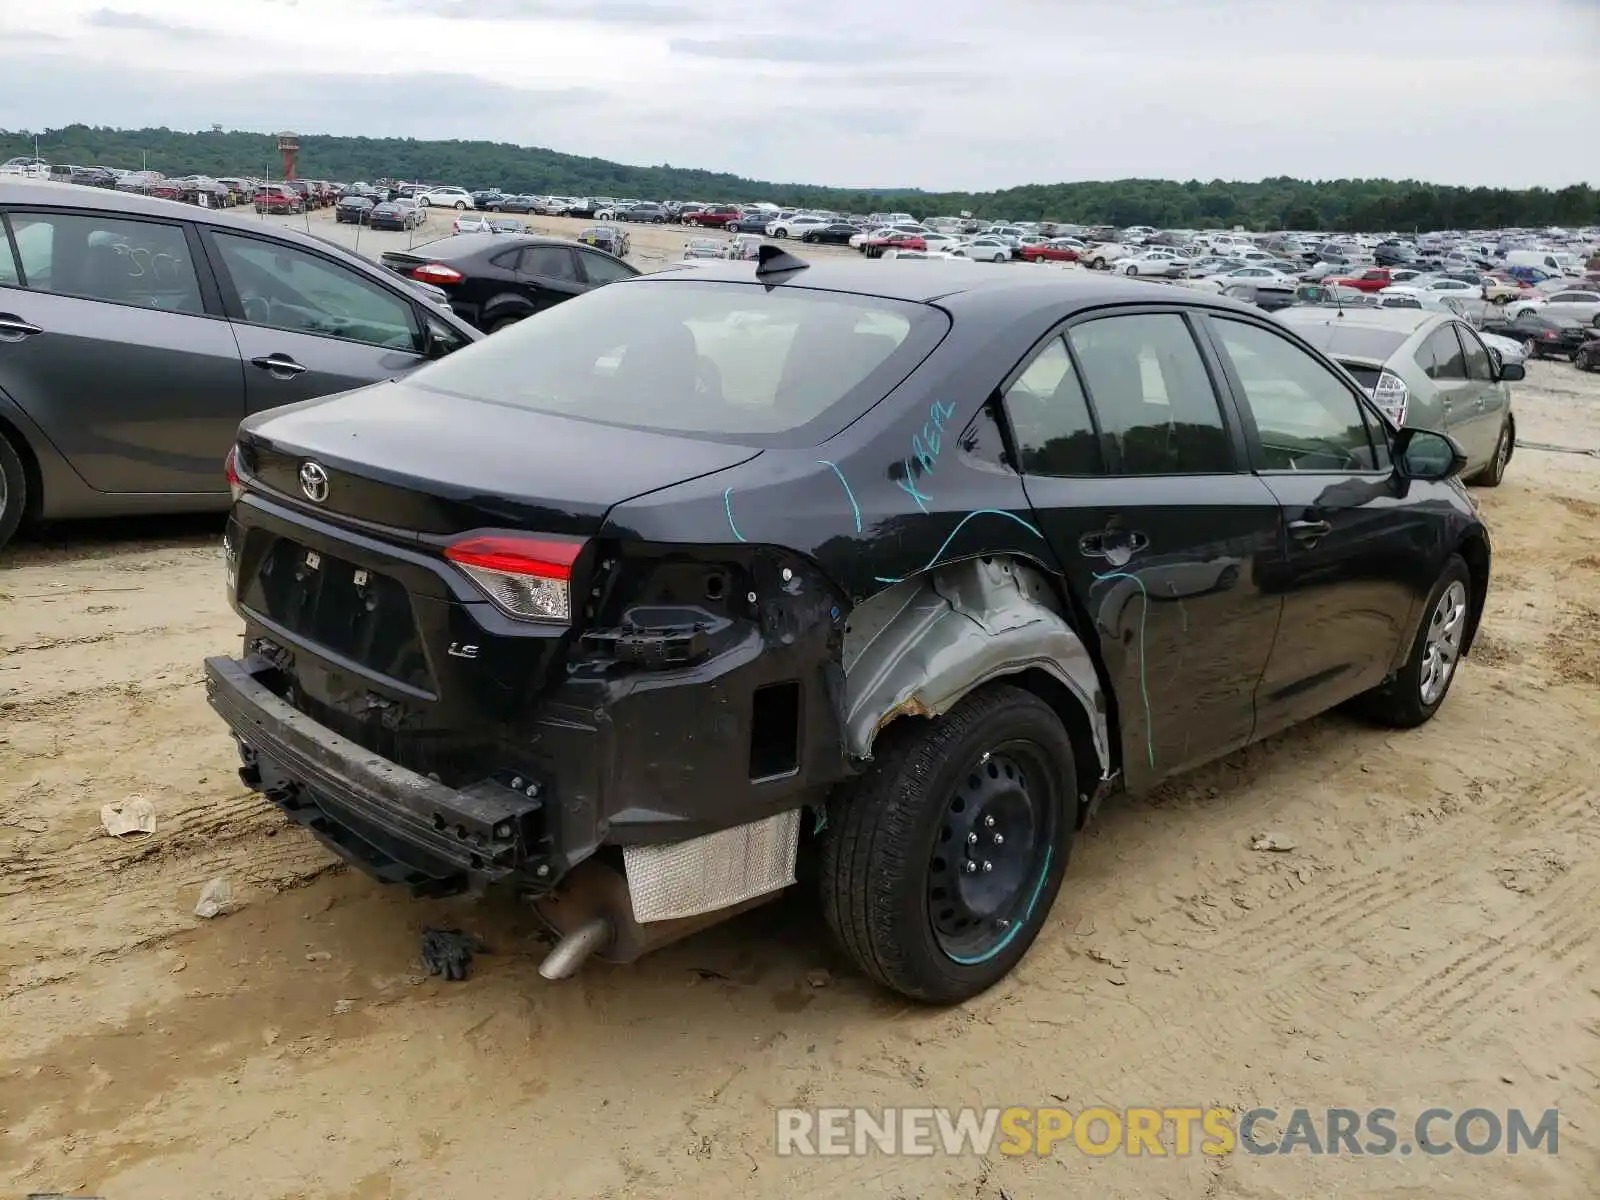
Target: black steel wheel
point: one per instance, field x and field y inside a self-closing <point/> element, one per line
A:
<point x="940" y="863"/>
<point x="992" y="854"/>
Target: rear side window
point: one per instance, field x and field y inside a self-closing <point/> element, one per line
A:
<point x="724" y="360"/>
<point x="1440" y="356"/>
<point x="108" y="258"/>
<point x="551" y="262"/>
<point x="1150" y="389"/>
<point x="1050" y="416"/>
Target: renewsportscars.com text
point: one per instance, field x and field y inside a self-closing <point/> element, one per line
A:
<point x="1168" y="1130"/>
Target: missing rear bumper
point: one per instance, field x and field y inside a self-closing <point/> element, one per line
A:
<point x="399" y="826"/>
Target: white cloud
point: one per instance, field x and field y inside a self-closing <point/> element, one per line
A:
<point x="931" y="93"/>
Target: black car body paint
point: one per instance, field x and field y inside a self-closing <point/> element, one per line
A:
<point x="700" y="683"/>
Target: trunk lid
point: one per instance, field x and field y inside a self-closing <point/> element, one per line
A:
<point x="426" y="463"/>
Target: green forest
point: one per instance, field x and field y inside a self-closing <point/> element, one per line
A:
<point x="1338" y="204"/>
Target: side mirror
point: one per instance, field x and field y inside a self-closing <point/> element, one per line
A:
<point x="1512" y="372"/>
<point x="1427" y="455"/>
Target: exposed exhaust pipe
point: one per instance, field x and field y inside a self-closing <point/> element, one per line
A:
<point x="571" y="951"/>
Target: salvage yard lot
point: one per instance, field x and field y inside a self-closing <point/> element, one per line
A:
<point x="1428" y="940"/>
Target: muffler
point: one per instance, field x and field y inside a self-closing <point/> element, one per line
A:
<point x="563" y="962"/>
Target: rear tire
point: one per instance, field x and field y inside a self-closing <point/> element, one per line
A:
<point x="896" y="889"/>
<point x="1405" y="701"/>
<point x="13" y="490"/>
<point x="1495" y="471"/>
<point x="461" y="206"/>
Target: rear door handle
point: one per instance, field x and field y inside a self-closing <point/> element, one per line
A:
<point x="1309" y="532"/>
<point x="1112" y="543"/>
<point x="14" y="328"/>
<point x="280" y="365"/>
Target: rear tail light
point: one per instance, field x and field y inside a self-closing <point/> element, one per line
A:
<point x="230" y="468"/>
<point x="437" y="273"/>
<point x="525" y="577"/>
<point x="1391" y="395"/>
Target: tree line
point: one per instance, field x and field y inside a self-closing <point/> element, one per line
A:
<point x="1280" y="203"/>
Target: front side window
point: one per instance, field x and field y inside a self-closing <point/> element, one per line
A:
<point x="1151" y="392"/>
<point x="1050" y="416"/>
<point x="1306" y="418"/>
<point x="1479" y="366"/>
<point x="725" y="360"/>
<point x="108" y="258"/>
<point x="282" y="287"/>
<point x="603" y="270"/>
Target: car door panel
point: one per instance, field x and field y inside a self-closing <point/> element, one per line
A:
<point x="109" y="349"/>
<point x="307" y="326"/>
<point x="1490" y="399"/>
<point x="1166" y="565"/>
<point x="548" y="275"/>
<point x="1346" y="566"/>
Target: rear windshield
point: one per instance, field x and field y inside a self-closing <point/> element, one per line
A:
<point x="1366" y="376"/>
<point x="1338" y="339"/>
<point x="723" y="360"/>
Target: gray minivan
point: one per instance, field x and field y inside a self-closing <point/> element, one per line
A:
<point x="135" y="335"/>
<point x="1426" y="369"/>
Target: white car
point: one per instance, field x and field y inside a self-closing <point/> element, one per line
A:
<point x="1250" y="277"/>
<point x="871" y="231"/>
<point x="796" y="226"/>
<point x="1424" y="286"/>
<point x="1157" y="262"/>
<point x="444" y="197"/>
<point x="988" y="248"/>
<point x="27" y="166"/>
<point x="1585" y="306"/>
<point x="939" y="241"/>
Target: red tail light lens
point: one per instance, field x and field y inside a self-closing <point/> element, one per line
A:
<point x="437" y="273"/>
<point x="525" y="577"/>
<point x="230" y="468"/>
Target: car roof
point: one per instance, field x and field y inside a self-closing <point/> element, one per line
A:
<point x="68" y="196"/>
<point x="934" y="279"/>
<point x="1404" y="321"/>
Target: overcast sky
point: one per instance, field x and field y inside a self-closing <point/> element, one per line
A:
<point x="940" y="94"/>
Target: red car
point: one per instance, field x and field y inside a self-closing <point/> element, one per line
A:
<point x="1050" y="252"/>
<point x="874" y="247"/>
<point x="1374" y="279"/>
<point x="717" y="216"/>
<point x="278" y="198"/>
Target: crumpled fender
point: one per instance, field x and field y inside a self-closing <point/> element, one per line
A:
<point x="920" y="646"/>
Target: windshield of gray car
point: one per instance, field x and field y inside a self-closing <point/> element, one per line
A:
<point x="724" y="360"/>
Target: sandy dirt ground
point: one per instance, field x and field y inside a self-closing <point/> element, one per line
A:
<point x="1430" y="940"/>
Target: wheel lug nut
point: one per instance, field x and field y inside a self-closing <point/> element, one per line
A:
<point x="987" y="865"/>
<point x="970" y="867"/>
<point x="998" y="840"/>
<point x="972" y="839"/>
<point x="989" y="822"/>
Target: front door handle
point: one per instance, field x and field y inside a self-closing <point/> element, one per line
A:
<point x="1309" y="532"/>
<point x="14" y="328"/>
<point x="281" y="366"/>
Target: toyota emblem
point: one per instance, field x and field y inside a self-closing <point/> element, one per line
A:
<point x="314" y="481"/>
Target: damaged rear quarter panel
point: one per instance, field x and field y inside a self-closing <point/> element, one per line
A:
<point x="883" y="505"/>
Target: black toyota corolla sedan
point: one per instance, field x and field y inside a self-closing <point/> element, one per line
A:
<point x="495" y="280"/>
<point x="890" y="575"/>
